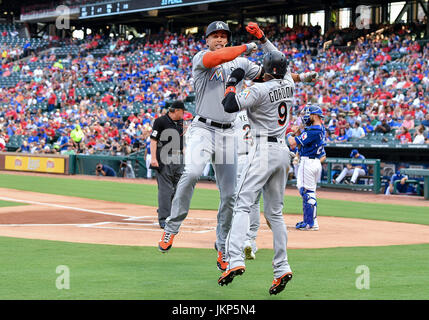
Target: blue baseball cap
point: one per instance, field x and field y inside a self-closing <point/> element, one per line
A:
<point x="353" y="153"/>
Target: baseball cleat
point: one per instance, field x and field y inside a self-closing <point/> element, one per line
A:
<point x="229" y="275"/>
<point x="166" y="242"/>
<point x="300" y="225"/>
<point x="248" y="253"/>
<point x="306" y="227"/>
<point x="221" y="263"/>
<point x="280" y="283"/>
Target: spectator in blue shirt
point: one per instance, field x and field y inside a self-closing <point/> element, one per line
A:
<point x="24" y="148"/>
<point x="33" y="138"/>
<point x="425" y="122"/>
<point x="63" y="141"/>
<point x="367" y="127"/>
<point x="342" y="136"/>
<point x="348" y="130"/>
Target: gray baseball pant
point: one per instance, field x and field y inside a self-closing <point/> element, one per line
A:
<point x="254" y="216"/>
<point x="266" y="170"/>
<point x="207" y="143"/>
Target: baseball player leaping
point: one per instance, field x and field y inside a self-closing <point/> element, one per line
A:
<point x="311" y="144"/>
<point x="268" y="108"/>
<point x="211" y="133"/>
<point x="245" y="141"/>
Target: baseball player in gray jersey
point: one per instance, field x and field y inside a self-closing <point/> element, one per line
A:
<point x="245" y="141"/>
<point x="268" y="106"/>
<point x="211" y="133"/>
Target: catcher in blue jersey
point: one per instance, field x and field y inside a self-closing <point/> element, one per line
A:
<point x="311" y="144"/>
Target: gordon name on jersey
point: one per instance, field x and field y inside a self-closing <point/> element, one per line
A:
<point x="281" y="93"/>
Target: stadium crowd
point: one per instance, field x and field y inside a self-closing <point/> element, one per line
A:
<point x="378" y="86"/>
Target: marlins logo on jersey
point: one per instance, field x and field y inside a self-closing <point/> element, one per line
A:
<point x="217" y="74"/>
<point x="244" y="94"/>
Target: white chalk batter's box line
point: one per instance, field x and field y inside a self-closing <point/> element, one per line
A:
<point x="102" y="225"/>
<point x="149" y="217"/>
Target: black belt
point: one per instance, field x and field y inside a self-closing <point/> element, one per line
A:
<point x="270" y="139"/>
<point x="216" y="124"/>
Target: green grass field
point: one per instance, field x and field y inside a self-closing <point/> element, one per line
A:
<point x="28" y="267"/>
<point x="121" y="272"/>
<point x="205" y="199"/>
<point x="10" y="204"/>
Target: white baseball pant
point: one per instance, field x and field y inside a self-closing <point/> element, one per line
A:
<point x="354" y="172"/>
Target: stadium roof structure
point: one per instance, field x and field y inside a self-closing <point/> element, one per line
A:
<point x="192" y="11"/>
<point x="198" y="11"/>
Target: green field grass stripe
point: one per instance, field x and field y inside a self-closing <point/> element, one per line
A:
<point x="123" y="272"/>
<point x="103" y="190"/>
<point x="10" y="204"/>
<point x="363" y="210"/>
<point x="205" y="199"/>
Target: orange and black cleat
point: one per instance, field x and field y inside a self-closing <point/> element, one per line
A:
<point x="221" y="263"/>
<point x="229" y="275"/>
<point x="280" y="283"/>
<point x="166" y="242"/>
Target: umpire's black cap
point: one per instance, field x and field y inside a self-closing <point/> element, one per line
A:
<point x="216" y="26"/>
<point x="275" y="63"/>
<point x="178" y="105"/>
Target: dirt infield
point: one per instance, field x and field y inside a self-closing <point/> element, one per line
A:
<point x="72" y="219"/>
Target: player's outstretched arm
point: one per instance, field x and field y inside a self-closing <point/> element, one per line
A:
<point x="256" y="31"/>
<point x="212" y="59"/>
<point x="305" y="77"/>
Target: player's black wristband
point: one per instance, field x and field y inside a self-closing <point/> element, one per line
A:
<point x="230" y="103"/>
<point x="263" y="38"/>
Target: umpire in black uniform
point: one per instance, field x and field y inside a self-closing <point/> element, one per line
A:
<point x="166" y="142"/>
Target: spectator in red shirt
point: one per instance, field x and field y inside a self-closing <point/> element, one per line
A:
<point x="52" y="101"/>
<point x="404" y="136"/>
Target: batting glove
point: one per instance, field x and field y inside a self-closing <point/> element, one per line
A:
<point x="254" y="30"/>
<point x="250" y="48"/>
<point x="308" y="76"/>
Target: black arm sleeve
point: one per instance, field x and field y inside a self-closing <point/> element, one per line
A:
<point x="236" y="76"/>
<point x="230" y="104"/>
<point x="261" y="76"/>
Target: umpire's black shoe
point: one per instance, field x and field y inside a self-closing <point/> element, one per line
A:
<point x="280" y="283"/>
<point x="229" y="275"/>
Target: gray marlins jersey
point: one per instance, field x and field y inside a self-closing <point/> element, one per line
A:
<point x="269" y="105"/>
<point x="209" y="85"/>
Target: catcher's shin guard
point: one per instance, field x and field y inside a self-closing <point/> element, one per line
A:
<point x="309" y="206"/>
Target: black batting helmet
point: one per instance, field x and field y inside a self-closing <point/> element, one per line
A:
<point x="275" y="63"/>
<point x="216" y="26"/>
